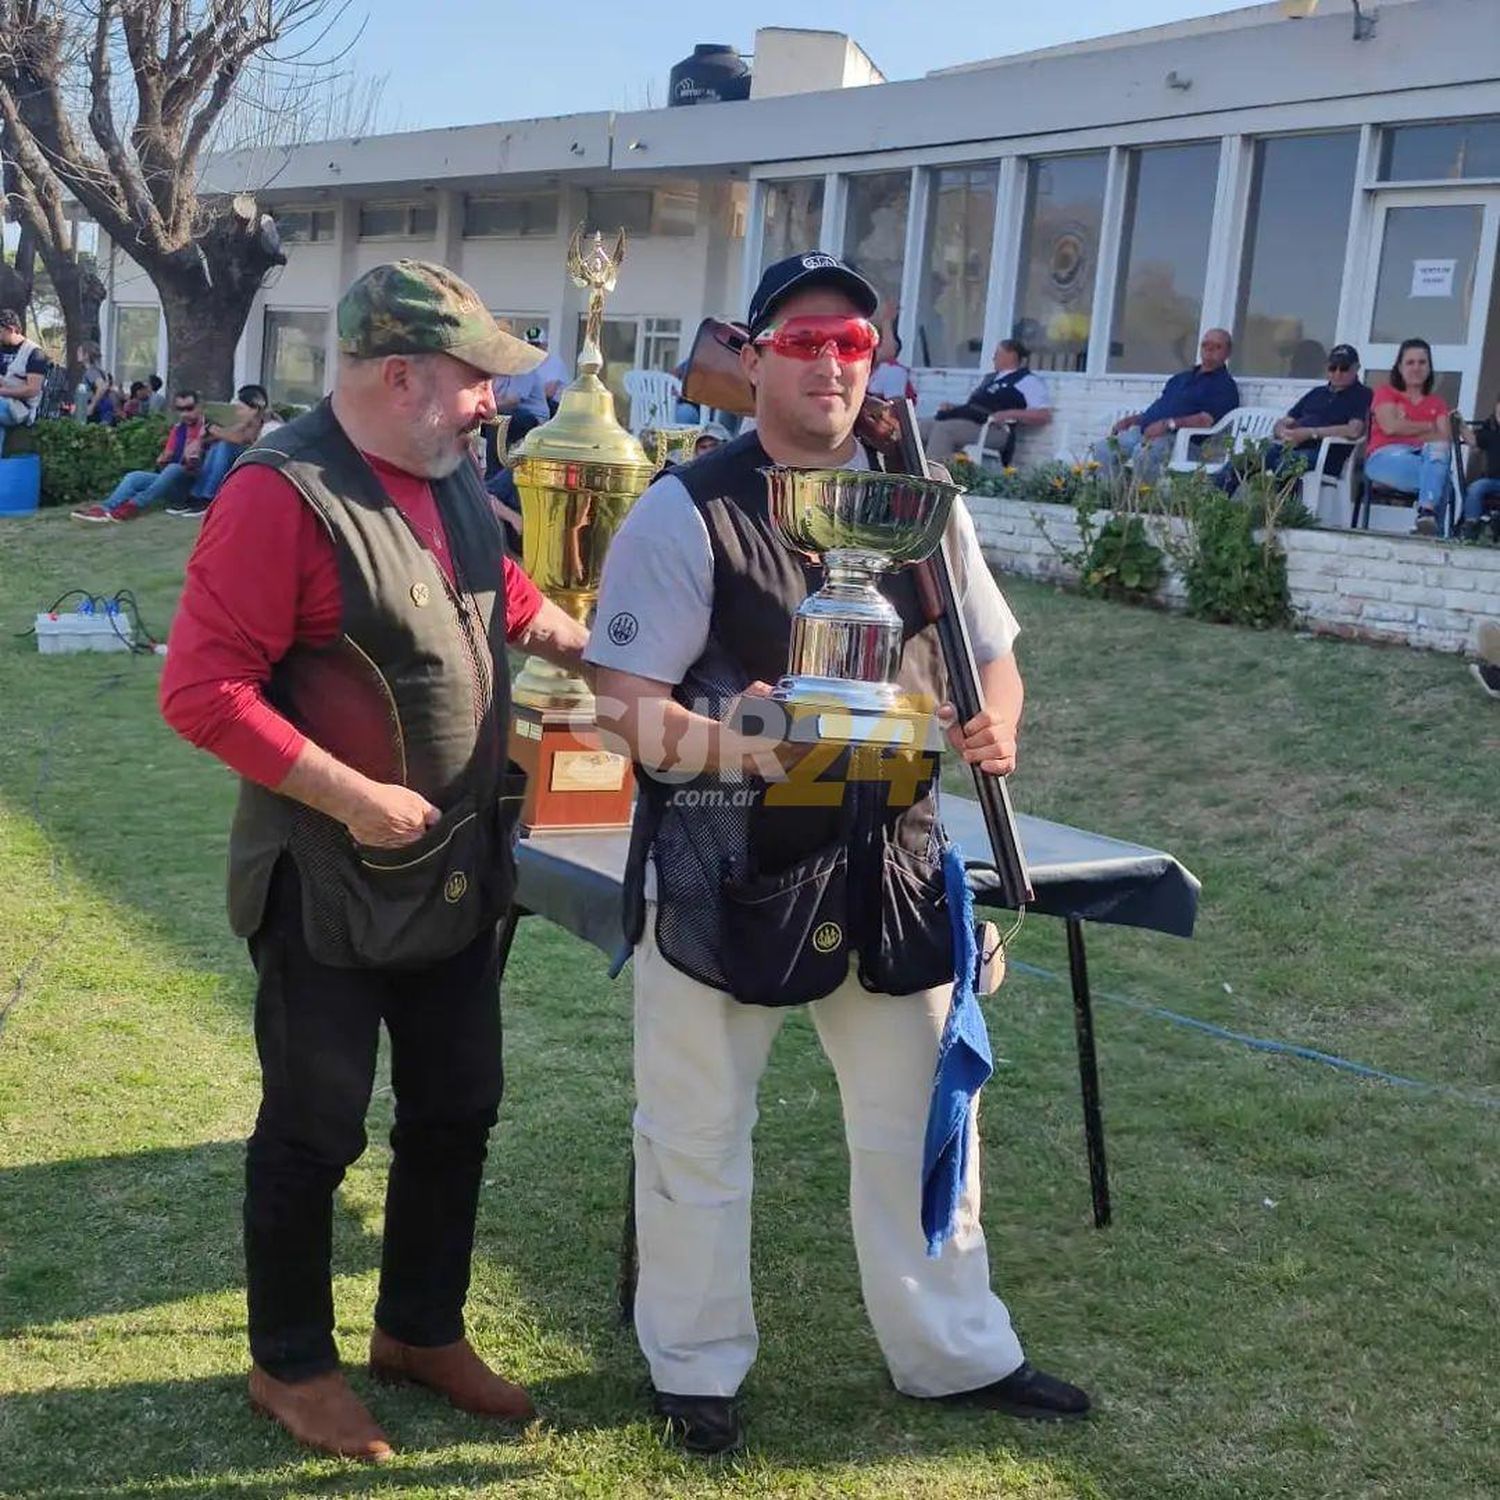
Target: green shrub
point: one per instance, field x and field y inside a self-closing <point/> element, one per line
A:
<point x="83" y="461"/>
<point x="1232" y="574"/>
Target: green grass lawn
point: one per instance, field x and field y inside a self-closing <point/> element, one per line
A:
<point x="1298" y="1296"/>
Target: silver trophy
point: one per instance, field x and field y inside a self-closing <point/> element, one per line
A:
<point x="846" y="638"/>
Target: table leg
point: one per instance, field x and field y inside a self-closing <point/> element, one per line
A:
<point x="1088" y="1071"/>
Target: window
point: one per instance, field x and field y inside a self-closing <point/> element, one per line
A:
<point x="137" y="331"/>
<point x="956" y="266"/>
<point x="294" y="357"/>
<point x="1059" y="258"/>
<point x="1297" y="222"/>
<point x="517" y="216"/>
<point x="1169" y="205"/>
<point x="875" y="212"/>
<point x="397" y="221"/>
<point x="1453" y="149"/>
<point x="643" y="211"/>
<point x="1445" y="237"/>
<point x="304" y="226"/>
<point x="793" y="218"/>
<point x="649" y="343"/>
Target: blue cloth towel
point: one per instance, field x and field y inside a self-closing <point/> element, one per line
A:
<point x="964" y="1064"/>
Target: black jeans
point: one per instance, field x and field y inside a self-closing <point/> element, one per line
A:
<point x="317" y="1030"/>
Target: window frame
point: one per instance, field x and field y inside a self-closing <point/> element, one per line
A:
<point x="526" y="232"/>
<point x="410" y="206"/>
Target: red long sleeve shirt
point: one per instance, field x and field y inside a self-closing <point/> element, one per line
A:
<point x="262" y="578"/>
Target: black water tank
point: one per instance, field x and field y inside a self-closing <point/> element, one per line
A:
<point x="714" y="74"/>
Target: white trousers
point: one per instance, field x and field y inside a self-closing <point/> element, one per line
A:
<point x="699" y="1056"/>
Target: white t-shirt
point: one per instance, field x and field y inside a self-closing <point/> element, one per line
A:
<point x="889" y="379"/>
<point x="659" y="577"/>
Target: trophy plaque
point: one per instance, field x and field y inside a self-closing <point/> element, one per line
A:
<point x="577" y="476"/>
<point x="846" y="638"/>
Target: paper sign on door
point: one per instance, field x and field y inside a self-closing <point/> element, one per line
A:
<point x="1432" y="278"/>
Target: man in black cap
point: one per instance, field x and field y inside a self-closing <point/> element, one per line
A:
<point x="743" y="898"/>
<point x="1338" y="409"/>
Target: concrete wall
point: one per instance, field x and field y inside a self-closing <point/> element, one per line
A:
<point x="1403" y="589"/>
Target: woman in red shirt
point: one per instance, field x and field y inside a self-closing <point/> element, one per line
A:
<point x="1409" y="434"/>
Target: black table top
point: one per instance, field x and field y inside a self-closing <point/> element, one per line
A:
<point x="573" y="879"/>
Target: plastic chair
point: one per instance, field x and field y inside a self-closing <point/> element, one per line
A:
<point x="654" y="395"/>
<point x="1245" y="424"/>
<point x="1317" y="482"/>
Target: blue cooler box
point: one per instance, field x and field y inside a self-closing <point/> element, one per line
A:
<point x="20" y="484"/>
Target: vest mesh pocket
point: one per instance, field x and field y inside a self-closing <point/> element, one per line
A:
<point x="366" y="907"/>
<point x="786" y="936"/>
<point x="914" y="949"/>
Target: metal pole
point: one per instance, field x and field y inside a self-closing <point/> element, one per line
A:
<point x="1088" y="1072"/>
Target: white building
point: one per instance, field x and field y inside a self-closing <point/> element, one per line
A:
<point x="1284" y="178"/>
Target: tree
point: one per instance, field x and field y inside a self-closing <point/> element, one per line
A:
<point x="130" y="152"/>
<point x="36" y="205"/>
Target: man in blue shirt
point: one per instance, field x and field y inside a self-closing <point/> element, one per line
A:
<point x="1339" y="409"/>
<point x="1192" y="398"/>
<point x="524" y="399"/>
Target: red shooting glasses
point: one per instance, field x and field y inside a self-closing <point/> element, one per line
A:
<point x="806" y="338"/>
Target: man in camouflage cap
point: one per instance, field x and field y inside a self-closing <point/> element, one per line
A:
<point x="341" y="643"/>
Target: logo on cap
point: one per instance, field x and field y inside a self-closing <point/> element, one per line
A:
<point x="817" y="262"/>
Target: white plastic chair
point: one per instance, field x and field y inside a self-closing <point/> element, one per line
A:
<point x="1330" y="497"/>
<point x="1245" y="424"/>
<point x="654" y="395"/>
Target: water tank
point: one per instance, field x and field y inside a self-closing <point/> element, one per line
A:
<point x="714" y="74"/>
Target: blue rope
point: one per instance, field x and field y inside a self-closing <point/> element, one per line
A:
<point x="1266" y="1044"/>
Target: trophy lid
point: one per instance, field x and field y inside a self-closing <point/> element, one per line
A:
<point x="585" y="429"/>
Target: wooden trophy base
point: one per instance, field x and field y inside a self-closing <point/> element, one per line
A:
<point x="572" y="782"/>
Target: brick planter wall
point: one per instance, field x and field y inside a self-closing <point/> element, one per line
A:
<point x="1367" y="586"/>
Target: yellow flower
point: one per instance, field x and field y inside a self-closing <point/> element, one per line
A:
<point x="1093" y="463"/>
<point x="1145" y="489"/>
<point x="1009" y="469"/>
<point x="1078" y="468"/>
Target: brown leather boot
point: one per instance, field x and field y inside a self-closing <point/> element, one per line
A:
<point x="322" y="1412"/>
<point x="452" y="1370"/>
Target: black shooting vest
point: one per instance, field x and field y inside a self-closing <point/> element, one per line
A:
<point x="415" y="691"/>
<point x="996" y="392"/>
<point x="758" y="892"/>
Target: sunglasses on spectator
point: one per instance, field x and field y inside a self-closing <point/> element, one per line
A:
<point x="1340" y="364"/>
<point x="806" y="338"/>
<point x="187" y="410"/>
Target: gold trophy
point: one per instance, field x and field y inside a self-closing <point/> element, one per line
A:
<point x="577" y="476"/>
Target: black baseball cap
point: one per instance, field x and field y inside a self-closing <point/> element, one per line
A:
<point x="798" y="273"/>
<point x="1344" y="354"/>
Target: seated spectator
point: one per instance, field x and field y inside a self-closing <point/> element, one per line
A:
<point x="713" y="436"/>
<point x="1011" y="396"/>
<point x="553" y="372"/>
<point x="1409" y="434"/>
<point x="1338" y="409"/>
<point x="1198" y="397"/>
<point x="157" y="401"/>
<point x="224" y="445"/>
<point x="890" y="378"/>
<point x="93" y="389"/>
<point x="137" y="403"/>
<point x="1483" y="494"/>
<point x="176" y="466"/>
<point x="23" y="373"/>
<point x="523" y="398"/>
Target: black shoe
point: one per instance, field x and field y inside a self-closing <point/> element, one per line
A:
<point x="1028" y="1392"/>
<point x="194" y="509"/>
<point x="1426" y="523"/>
<point x="1468" y="531"/>
<point x="702" y="1425"/>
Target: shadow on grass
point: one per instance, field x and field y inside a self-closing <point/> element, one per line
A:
<point x="200" y="1438"/>
<point x="94" y="1236"/>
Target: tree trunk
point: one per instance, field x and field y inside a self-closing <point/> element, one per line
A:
<point x="202" y="334"/>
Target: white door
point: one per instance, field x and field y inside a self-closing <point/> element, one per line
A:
<point x="1431" y="277"/>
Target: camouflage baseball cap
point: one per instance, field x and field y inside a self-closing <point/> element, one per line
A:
<point x="416" y="307"/>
